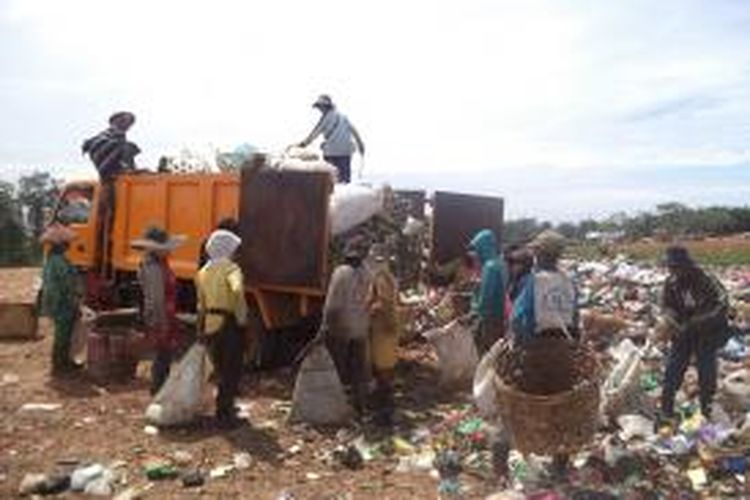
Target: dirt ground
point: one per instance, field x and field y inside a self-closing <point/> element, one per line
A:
<point x="106" y="425"/>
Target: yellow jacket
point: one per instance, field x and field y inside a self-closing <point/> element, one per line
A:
<point x="220" y="286"/>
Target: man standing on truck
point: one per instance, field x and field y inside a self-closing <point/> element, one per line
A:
<point x="112" y="154"/>
<point x="338" y="133"/>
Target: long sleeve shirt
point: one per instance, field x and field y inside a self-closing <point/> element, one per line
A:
<point x="698" y="298"/>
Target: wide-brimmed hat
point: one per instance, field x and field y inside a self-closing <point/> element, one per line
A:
<point x="323" y="101"/>
<point x="548" y="242"/>
<point x="156" y="238"/>
<point x="57" y="233"/>
<point x="678" y="256"/>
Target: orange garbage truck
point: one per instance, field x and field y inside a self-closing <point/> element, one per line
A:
<point x="284" y="225"/>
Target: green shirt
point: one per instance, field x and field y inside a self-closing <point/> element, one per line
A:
<point x="59" y="290"/>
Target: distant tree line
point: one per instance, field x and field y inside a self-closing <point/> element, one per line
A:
<point x="668" y="219"/>
<point x="23" y="211"/>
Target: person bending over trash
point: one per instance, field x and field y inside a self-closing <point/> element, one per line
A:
<point x="346" y="320"/>
<point x="60" y="297"/>
<point x="695" y="306"/>
<point x="222" y="313"/>
<point x="159" y="306"/>
<point x="338" y="132"/>
<point x="383" y="303"/>
<point x="488" y="303"/>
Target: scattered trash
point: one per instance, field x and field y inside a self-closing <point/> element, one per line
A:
<point x="151" y="430"/>
<point x="242" y="460"/>
<point x="9" y="379"/>
<point x="84" y="475"/>
<point x="33" y="484"/>
<point x="193" y="479"/>
<point x="134" y="492"/>
<point x="349" y="457"/>
<point x="41" y="407"/>
<point x="221" y="471"/>
<point x="635" y="426"/>
<point x="157" y="471"/>
<point x="182" y="458"/>
<point x="312" y="476"/>
<point x="697" y="478"/>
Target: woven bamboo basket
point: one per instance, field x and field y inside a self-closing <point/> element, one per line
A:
<point x="552" y="406"/>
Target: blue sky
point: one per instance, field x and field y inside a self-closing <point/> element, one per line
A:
<point x="568" y="108"/>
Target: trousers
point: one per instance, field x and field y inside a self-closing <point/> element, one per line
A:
<point x="64" y="325"/>
<point x="227" y="349"/>
<point x="343" y="165"/>
<point x="683" y="348"/>
<point x="350" y="358"/>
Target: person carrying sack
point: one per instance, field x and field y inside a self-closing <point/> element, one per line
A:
<point x="222" y="314"/>
<point x="159" y="307"/>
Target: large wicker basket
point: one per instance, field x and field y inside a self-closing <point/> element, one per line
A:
<point x="555" y="410"/>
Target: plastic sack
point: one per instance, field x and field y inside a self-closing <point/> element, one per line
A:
<point x="351" y="205"/>
<point x="621" y="390"/>
<point x="318" y="396"/>
<point x="736" y="387"/>
<point x="457" y="353"/>
<point x="234" y="160"/>
<point x="179" y="399"/>
<point x="484" y="386"/>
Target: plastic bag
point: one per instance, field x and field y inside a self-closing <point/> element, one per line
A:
<point x="179" y="399"/>
<point x="622" y="389"/>
<point x="457" y="353"/>
<point x="351" y="205"/>
<point x="318" y="396"/>
<point x="484" y="387"/>
<point x="736" y="387"/>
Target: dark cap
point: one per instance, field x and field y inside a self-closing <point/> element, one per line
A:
<point x="122" y="115"/>
<point x="678" y="256"/>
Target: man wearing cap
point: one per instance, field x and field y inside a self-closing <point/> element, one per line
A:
<point x="346" y="319"/>
<point x="60" y="296"/>
<point x="159" y="305"/>
<point x="111" y="153"/>
<point x="338" y="133"/>
<point x="222" y="313"/>
<point x="695" y="305"/>
<point x="489" y="299"/>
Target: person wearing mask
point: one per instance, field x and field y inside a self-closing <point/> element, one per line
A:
<point x="159" y="300"/>
<point x="227" y="223"/>
<point x="222" y="313"/>
<point x="339" y="138"/>
<point x="112" y="154"/>
<point x="345" y="325"/>
<point x="488" y="302"/>
<point x="383" y="306"/>
<point x="60" y="296"/>
<point x="695" y="305"/>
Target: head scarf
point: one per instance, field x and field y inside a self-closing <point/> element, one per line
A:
<point x="221" y="245"/>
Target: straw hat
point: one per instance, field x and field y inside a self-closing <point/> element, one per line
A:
<point x="156" y="238"/>
<point x="57" y="233"/>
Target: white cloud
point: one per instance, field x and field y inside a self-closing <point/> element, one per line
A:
<point x="433" y="85"/>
